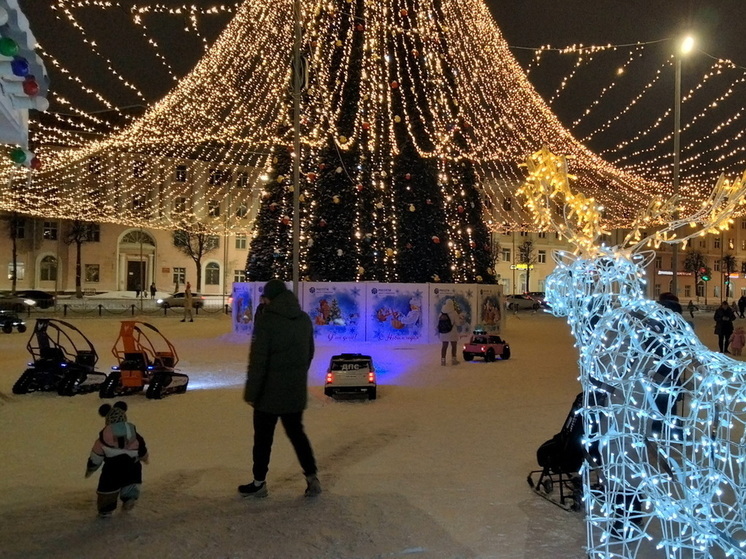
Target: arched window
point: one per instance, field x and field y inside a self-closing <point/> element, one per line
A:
<point x="48" y="269"/>
<point x="212" y="274"/>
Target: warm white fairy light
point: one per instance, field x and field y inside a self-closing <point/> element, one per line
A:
<point x="664" y="416"/>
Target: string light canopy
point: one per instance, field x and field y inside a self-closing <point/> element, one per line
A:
<point x="419" y="110"/>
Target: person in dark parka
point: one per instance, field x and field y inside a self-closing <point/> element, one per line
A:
<point x="724" y="319"/>
<point x="277" y="384"/>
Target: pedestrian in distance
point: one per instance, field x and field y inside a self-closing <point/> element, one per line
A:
<point x="138" y="289"/>
<point x="121" y="450"/>
<point x="724" y="318"/>
<point x="448" y="322"/>
<point x="692" y="307"/>
<point x="277" y="385"/>
<point x="152" y="290"/>
<point x="741" y="306"/>
<point x="188" y="302"/>
<point x="734" y="308"/>
<point x="737" y="340"/>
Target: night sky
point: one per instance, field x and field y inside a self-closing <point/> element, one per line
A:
<point x="718" y="25"/>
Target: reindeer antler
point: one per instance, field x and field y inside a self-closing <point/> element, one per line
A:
<point x="548" y="180"/>
<point x="714" y="215"/>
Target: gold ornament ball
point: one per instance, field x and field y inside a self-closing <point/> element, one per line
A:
<point x="411" y="207"/>
<point x="335" y="199"/>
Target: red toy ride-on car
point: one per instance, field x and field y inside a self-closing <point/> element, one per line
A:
<point x="488" y="346"/>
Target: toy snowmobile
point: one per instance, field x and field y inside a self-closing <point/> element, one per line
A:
<point x="146" y="358"/>
<point x="64" y="360"/>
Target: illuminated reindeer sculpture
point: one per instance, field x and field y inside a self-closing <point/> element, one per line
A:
<point x="664" y="416"/>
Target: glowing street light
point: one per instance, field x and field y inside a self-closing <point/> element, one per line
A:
<point x="685" y="47"/>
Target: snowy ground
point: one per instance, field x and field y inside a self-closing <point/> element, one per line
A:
<point x="435" y="467"/>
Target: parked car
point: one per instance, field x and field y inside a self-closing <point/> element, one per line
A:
<point x="351" y="373"/>
<point x="43" y="299"/>
<point x="539" y="296"/>
<point x="15" y="303"/>
<point x="10" y="320"/>
<point x="177" y="300"/>
<point x="520" y="302"/>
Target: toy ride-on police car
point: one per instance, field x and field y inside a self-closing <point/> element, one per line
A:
<point x="10" y="320"/>
<point x="351" y="373"/>
<point x="63" y="360"/>
<point x="488" y="346"/>
<point x="145" y="357"/>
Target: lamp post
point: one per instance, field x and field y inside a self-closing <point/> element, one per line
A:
<point x="686" y="46"/>
<point x="297" y="68"/>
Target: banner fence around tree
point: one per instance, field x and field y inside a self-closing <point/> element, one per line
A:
<point x="390" y="313"/>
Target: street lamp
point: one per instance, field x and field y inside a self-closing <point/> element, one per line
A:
<point x="685" y="47"/>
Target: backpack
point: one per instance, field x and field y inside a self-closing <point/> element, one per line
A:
<point x="444" y="323"/>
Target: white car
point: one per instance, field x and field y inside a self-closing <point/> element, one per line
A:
<point x="177" y="300"/>
<point x="351" y="373"/>
<point x="519" y="302"/>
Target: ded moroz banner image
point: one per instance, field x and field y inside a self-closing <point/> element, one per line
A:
<point x="244" y="301"/>
<point x="336" y="310"/>
<point x="490" y="314"/>
<point x="394" y="312"/>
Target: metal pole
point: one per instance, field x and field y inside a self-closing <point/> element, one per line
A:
<point x="676" y="153"/>
<point x="296" y="147"/>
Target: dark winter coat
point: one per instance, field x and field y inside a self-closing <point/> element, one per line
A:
<point x="281" y="352"/>
<point x="121" y="449"/>
<point x="724" y="319"/>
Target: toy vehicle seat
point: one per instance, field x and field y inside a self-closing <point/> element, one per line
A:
<point x="86" y="358"/>
<point x="479" y="340"/>
<point x="135" y="360"/>
<point x="166" y="358"/>
<point x="496" y="340"/>
<point x="52" y="354"/>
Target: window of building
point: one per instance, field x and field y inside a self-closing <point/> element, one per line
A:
<point x="48" y="269"/>
<point x="657" y="289"/>
<point x="93" y="233"/>
<point x="716" y="266"/>
<point x="241" y="240"/>
<point x="556" y="235"/>
<point x="701" y="289"/>
<point x="212" y="274"/>
<point x="219" y="176"/>
<point x="213" y="208"/>
<point x="508" y="204"/>
<point x="181" y="174"/>
<point x="687" y="290"/>
<point x="180" y="204"/>
<point x="212" y="241"/>
<point x="138" y="169"/>
<point x="138" y="202"/>
<point x="658" y="262"/>
<point x="242" y="211"/>
<point x="716" y="242"/>
<point x="242" y="180"/>
<point x="20" y="228"/>
<point x="731" y="244"/>
<point x="506" y="255"/>
<point x="743" y="223"/>
<point x="743" y="267"/>
<point x="49" y="231"/>
<point x="541" y="257"/>
<point x="702" y="244"/>
<point x="179" y="276"/>
<point x="239" y="276"/>
<point x="92" y="273"/>
<point x="743" y="244"/>
<point x="95" y="166"/>
<point x="542" y="235"/>
<point x="524" y="233"/>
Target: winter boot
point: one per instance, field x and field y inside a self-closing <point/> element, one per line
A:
<point x="313" y="488"/>
<point x="443" y="362"/>
<point x="254" y="489"/>
<point x="129" y="504"/>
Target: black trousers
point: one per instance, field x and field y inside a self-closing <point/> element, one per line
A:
<point x="724" y="340"/>
<point x="264" y="433"/>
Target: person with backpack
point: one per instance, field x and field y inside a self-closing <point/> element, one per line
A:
<point x="448" y="331"/>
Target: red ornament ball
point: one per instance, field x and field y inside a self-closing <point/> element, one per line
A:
<point x="285" y="220"/>
<point x="359" y="187"/>
<point x="366" y="125"/>
<point x="404" y="12"/>
<point x="408" y="176"/>
<point x="322" y="223"/>
<point x="273" y="206"/>
<point x="415" y="53"/>
<point x="35" y="163"/>
<point x="394" y="84"/>
<point x="360" y="27"/>
<point x="311" y="176"/>
<point x="322" y="166"/>
<point x="460" y="209"/>
<point x="436" y="239"/>
<point x="472" y="244"/>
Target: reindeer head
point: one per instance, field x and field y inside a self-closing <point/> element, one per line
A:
<point x="595" y="277"/>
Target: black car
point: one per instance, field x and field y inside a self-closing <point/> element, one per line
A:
<point x="10" y="320"/>
<point x="43" y="299"/>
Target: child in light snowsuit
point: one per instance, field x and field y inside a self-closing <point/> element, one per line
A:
<point x="121" y="450"/>
<point x="737" y="340"/>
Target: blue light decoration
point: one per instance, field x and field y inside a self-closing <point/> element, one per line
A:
<point x="664" y="416"/>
